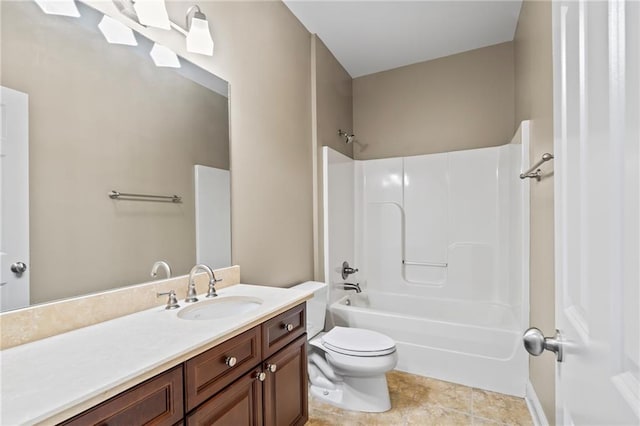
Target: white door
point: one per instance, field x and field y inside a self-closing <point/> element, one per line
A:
<point x="596" y="96"/>
<point x="14" y="199"/>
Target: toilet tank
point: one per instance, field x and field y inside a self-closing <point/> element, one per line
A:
<point x="316" y="307"/>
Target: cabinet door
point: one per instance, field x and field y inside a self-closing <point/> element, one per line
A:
<point x="285" y="389"/>
<point x="157" y="401"/>
<point x="237" y="405"/>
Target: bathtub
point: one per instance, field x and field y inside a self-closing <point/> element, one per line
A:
<point x="476" y="344"/>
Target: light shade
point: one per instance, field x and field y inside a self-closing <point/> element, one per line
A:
<point x="152" y="13"/>
<point x="199" y="38"/>
<point x="59" y="7"/>
<point x="116" y="32"/>
<point x="164" y="57"/>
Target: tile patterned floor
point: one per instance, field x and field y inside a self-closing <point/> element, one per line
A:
<point x="417" y="400"/>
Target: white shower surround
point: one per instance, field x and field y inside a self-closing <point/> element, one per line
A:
<point x="467" y="210"/>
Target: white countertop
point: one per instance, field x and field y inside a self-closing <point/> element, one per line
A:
<point x="42" y="379"/>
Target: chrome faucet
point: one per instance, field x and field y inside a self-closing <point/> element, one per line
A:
<point x="350" y="286"/>
<point x="191" y="290"/>
<point x="161" y="264"/>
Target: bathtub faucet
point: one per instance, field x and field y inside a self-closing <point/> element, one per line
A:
<point x="350" y="286"/>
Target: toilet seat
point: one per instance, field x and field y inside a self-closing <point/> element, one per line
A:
<point x="358" y="342"/>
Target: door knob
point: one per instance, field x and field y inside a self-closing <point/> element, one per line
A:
<point x="535" y="343"/>
<point x="18" y="268"/>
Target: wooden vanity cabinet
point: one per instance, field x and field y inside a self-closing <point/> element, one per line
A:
<point x="274" y="393"/>
<point x="256" y="378"/>
<point x="158" y="401"/>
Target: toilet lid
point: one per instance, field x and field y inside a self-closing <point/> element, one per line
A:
<point x="358" y="342"/>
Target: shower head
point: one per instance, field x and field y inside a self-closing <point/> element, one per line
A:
<point x="348" y="138"/>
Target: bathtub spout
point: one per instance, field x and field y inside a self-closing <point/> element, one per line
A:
<point x="350" y="286"/>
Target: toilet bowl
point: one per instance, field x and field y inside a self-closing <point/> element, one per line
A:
<point x="347" y="365"/>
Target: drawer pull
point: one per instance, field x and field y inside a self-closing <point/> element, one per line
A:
<point x="231" y="361"/>
<point x="272" y="367"/>
<point x="288" y="327"/>
<point x="261" y="376"/>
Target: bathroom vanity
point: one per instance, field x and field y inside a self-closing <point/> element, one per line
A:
<point x="251" y="369"/>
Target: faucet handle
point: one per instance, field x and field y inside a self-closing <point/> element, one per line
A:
<point x="172" y="302"/>
<point x="212" y="284"/>
<point x="212" y="288"/>
<point x="347" y="270"/>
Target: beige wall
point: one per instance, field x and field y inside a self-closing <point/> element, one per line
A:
<point x="332" y="109"/>
<point x="534" y="101"/>
<point x="102" y="117"/>
<point x="264" y="53"/>
<point x="457" y="102"/>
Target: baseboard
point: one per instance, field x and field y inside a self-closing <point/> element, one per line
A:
<point x="535" y="408"/>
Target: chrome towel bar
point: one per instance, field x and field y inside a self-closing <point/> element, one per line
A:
<point x="437" y="265"/>
<point x="115" y="195"/>
<point x="537" y="173"/>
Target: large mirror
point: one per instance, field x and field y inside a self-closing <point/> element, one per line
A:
<point x="82" y="117"/>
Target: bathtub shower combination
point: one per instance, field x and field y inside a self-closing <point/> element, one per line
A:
<point x="442" y="246"/>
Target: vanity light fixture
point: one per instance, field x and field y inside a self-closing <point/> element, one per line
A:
<point x="197" y="30"/>
<point x="59" y="7"/>
<point x="164" y="57"/>
<point x="198" y="37"/>
<point x="152" y="13"/>
<point x="116" y="32"/>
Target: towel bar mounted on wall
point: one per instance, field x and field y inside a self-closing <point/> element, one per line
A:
<point x="537" y="173"/>
<point x="115" y="195"/>
<point x="434" y="264"/>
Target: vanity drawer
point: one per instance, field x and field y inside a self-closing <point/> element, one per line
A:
<point x="279" y="331"/>
<point x="211" y="371"/>
<point x="158" y="401"/>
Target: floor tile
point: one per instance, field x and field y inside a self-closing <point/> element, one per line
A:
<point x="435" y="415"/>
<point x="501" y="408"/>
<point x="444" y="394"/>
<point x="423" y="401"/>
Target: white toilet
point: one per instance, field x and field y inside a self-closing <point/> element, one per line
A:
<point x="347" y="366"/>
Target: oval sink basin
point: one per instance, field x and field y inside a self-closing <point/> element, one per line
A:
<point x="220" y="307"/>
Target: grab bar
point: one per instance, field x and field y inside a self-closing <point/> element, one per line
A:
<point x="437" y="265"/>
<point x="115" y="195"/>
<point x="538" y="173"/>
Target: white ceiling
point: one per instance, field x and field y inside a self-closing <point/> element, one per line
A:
<point x="372" y="36"/>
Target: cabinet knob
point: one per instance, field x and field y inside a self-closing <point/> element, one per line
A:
<point x="261" y="376"/>
<point x="288" y="327"/>
<point x="231" y="361"/>
<point x="272" y="368"/>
